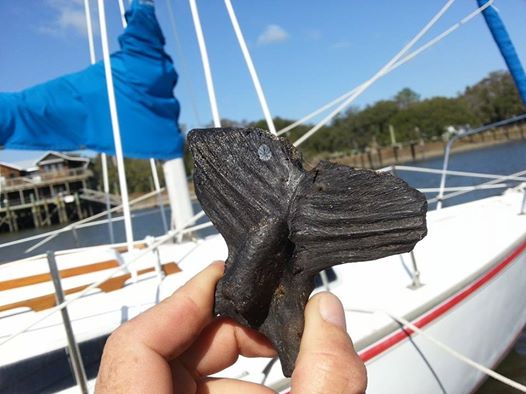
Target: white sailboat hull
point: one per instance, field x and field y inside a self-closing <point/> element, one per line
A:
<point x="480" y="322"/>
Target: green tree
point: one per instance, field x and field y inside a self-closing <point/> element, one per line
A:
<point x="429" y="118"/>
<point x="405" y="98"/>
<point x="494" y="98"/>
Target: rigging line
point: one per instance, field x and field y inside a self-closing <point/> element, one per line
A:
<point x="317" y="112"/>
<point x="461" y="357"/>
<point x="400" y="320"/>
<point x="104" y="162"/>
<point x="378" y="75"/>
<point x="457" y="173"/>
<point x="106" y="187"/>
<point x="122" y="11"/>
<point x="492" y="182"/>
<point x="189" y="86"/>
<point x="94" y="285"/>
<point x="462" y="188"/>
<point x="78" y="224"/>
<point x="206" y="63"/>
<point x="250" y="65"/>
<point x="401" y="62"/>
<point x="115" y="126"/>
<point x="444" y="34"/>
<point x="424" y="358"/>
<point x="157" y="187"/>
<point x="89" y="27"/>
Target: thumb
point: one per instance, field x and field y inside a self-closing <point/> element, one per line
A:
<point x="327" y="361"/>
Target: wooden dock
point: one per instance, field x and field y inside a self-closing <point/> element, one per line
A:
<point x="47" y="199"/>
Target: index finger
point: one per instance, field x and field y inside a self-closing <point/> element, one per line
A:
<point x="170" y="327"/>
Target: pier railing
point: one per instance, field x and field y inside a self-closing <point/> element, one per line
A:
<point x="12" y="184"/>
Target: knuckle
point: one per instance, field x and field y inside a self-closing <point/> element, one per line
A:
<point x="116" y="339"/>
<point x="122" y="335"/>
<point x="186" y="305"/>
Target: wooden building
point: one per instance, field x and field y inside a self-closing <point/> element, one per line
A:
<point x="44" y="191"/>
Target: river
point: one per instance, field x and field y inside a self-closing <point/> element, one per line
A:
<point x="499" y="159"/>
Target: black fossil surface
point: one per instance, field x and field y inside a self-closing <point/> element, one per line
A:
<point x="283" y="225"/>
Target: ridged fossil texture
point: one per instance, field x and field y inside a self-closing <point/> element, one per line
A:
<point x="283" y="225"/>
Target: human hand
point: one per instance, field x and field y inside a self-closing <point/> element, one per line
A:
<point x="175" y="345"/>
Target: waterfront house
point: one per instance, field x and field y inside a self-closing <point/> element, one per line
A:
<point x="28" y="189"/>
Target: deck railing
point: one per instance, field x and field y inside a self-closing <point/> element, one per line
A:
<point x="45" y="177"/>
<point x="468" y="133"/>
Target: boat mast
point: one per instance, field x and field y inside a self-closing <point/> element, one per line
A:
<point x="115" y="126"/>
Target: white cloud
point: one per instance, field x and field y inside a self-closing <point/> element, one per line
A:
<point x="340" y="45"/>
<point x="68" y="17"/>
<point x="272" y="34"/>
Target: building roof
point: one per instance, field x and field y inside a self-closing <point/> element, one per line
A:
<point x="43" y="159"/>
<point x="11" y="159"/>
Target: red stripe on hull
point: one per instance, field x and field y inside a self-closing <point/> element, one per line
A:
<point x="441" y="309"/>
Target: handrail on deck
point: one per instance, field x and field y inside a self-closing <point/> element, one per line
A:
<point x="493" y="183"/>
<point x="467" y="133"/>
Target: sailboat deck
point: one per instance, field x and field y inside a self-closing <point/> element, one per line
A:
<point x="461" y="245"/>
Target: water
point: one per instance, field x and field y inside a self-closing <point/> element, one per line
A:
<point x="145" y="222"/>
<point x="500" y="159"/>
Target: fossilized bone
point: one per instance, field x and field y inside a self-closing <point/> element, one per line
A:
<point x="283" y="225"/>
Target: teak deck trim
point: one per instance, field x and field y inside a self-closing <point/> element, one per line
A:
<point x="65" y="273"/>
<point x="48" y="301"/>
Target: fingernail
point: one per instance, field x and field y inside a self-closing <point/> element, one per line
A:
<point x="331" y="310"/>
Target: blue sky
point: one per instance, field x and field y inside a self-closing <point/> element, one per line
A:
<point x="306" y="52"/>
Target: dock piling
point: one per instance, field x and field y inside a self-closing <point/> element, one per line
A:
<point x="46" y="211"/>
<point x="79" y="209"/>
<point x="35" y="212"/>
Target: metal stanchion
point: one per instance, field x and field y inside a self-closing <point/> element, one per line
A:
<point x="74" y="353"/>
<point x="416" y="273"/>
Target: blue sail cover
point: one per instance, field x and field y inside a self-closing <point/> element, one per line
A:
<point x="501" y="37"/>
<point x="72" y="112"/>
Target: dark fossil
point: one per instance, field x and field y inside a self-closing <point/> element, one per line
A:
<point x="283" y="225"/>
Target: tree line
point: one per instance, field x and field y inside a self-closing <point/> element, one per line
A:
<point x="411" y="118"/>
<point x="405" y="118"/>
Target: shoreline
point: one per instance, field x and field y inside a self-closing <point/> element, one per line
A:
<point x="381" y="157"/>
<point x="398" y="155"/>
